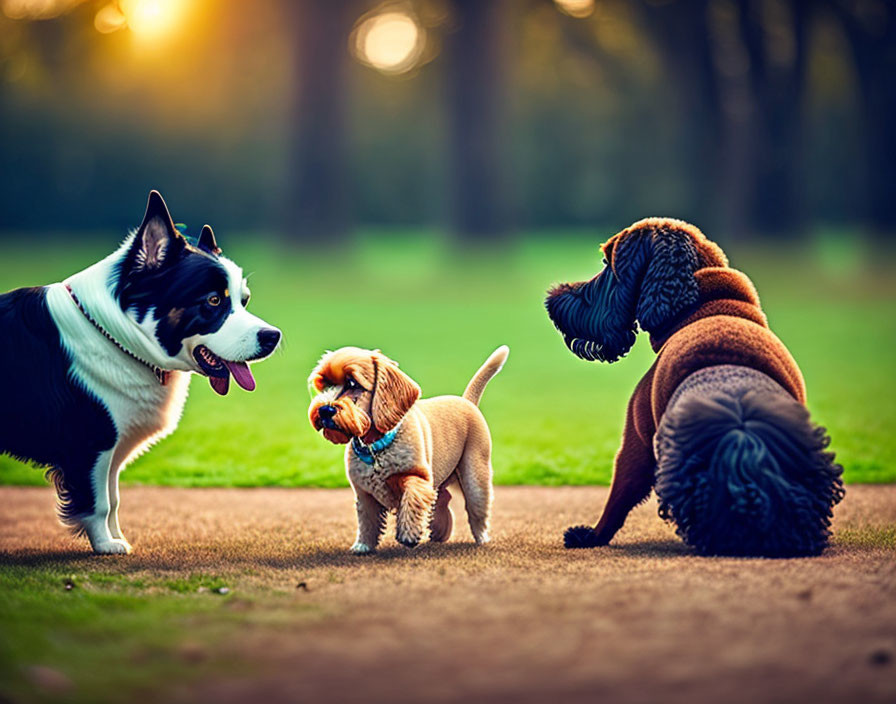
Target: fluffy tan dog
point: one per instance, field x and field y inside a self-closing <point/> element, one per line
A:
<point x="403" y="451"/>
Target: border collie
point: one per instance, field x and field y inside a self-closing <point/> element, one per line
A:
<point x="97" y="367"/>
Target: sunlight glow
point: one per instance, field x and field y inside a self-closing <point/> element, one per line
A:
<point x="152" y="19"/>
<point x="576" y="8"/>
<point x="390" y="42"/>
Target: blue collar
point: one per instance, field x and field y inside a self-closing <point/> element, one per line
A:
<point x="367" y="453"/>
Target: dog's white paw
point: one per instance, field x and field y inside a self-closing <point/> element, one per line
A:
<point x="361" y="549"/>
<point x="483" y="538"/>
<point x="115" y="546"/>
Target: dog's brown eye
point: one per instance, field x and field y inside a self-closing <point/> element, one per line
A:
<point x="350" y="383"/>
<point x="214" y="300"/>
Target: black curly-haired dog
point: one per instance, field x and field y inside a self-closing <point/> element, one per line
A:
<point x="718" y="425"/>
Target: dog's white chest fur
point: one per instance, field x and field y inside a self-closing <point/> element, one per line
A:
<point x="142" y="409"/>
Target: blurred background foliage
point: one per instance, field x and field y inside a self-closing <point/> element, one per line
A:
<point x="310" y="118"/>
<point x="402" y="134"/>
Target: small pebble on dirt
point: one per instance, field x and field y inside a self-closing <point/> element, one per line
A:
<point x="192" y="652"/>
<point x="880" y="657"/>
<point x="49" y="679"/>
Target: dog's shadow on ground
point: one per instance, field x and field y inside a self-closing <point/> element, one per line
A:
<point x="333" y="556"/>
<point x="433" y="553"/>
<point x="343" y="557"/>
<point x="323" y="556"/>
<point x="656" y="549"/>
<point x="48" y="558"/>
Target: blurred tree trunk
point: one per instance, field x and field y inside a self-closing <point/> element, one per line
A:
<point x="681" y="31"/>
<point x="743" y="135"/>
<point x="871" y="32"/>
<point x="317" y="203"/>
<point x="474" y="54"/>
<point x="777" y="83"/>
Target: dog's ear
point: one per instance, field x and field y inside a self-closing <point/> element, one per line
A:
<point x="157" y="240"/>
<point x="648" y="277"/>
<point x="316" y="381"/>
<point x="668" y="287"/>
<point x="393" y="395"/>
<point x="207" y="240"/>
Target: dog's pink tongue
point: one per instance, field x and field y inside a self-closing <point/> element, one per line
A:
<point x="220" y="384"/>
<point x="242" y="375"/>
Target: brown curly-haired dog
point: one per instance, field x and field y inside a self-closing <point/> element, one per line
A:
<point x="718" y="424"/>
<point x="403" y="452"/>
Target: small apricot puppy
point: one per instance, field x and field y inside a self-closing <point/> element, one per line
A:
<point x="404" y="451"/>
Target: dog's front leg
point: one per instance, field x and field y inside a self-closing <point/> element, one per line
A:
<point x="415" y="507"/>
<point x="633" y="478"/>
<point x="97" y="525"/>
<point x="371" y="522"/>
<point x="114" y="500"/>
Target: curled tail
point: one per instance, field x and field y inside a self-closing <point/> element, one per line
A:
<point x="480" y="379"/>
<point x="741" y="468"/>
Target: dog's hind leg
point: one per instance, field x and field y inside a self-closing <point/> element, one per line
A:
<point x="371" y="522"/>
<point x="474" y="472"/>
<point x="442" y="525"/>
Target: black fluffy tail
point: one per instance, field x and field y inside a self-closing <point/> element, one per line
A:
<point x="741" y="470"/>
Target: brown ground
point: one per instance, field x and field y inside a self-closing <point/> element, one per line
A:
<point x="521" y="620"/>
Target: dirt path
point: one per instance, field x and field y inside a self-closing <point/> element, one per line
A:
<point x="521" y="620"/>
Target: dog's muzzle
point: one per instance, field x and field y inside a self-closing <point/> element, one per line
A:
<point x="268" y="339"/>
<point x="326" y="414"/>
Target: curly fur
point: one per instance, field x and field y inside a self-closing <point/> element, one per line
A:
<point x="648" y="282"/>
<point x="741" y="470"/>
<point x="437" y="441"/>
<point x="580" y="537"/>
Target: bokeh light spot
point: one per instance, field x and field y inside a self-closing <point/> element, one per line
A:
<point x="576" y="8"/>
<point x="390" y="42"/>
<point x="109" y="19"/>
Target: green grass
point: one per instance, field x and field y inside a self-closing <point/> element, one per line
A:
<point x="439" y="312"/>
<point x="96" y="628"/>
<point x="555" y="420"/>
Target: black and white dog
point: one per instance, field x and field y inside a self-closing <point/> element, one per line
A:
<point x="97" y="367"/>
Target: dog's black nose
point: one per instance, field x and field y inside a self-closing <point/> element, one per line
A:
<point x="268" y="340"/>
<point x="326" y="412"/>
